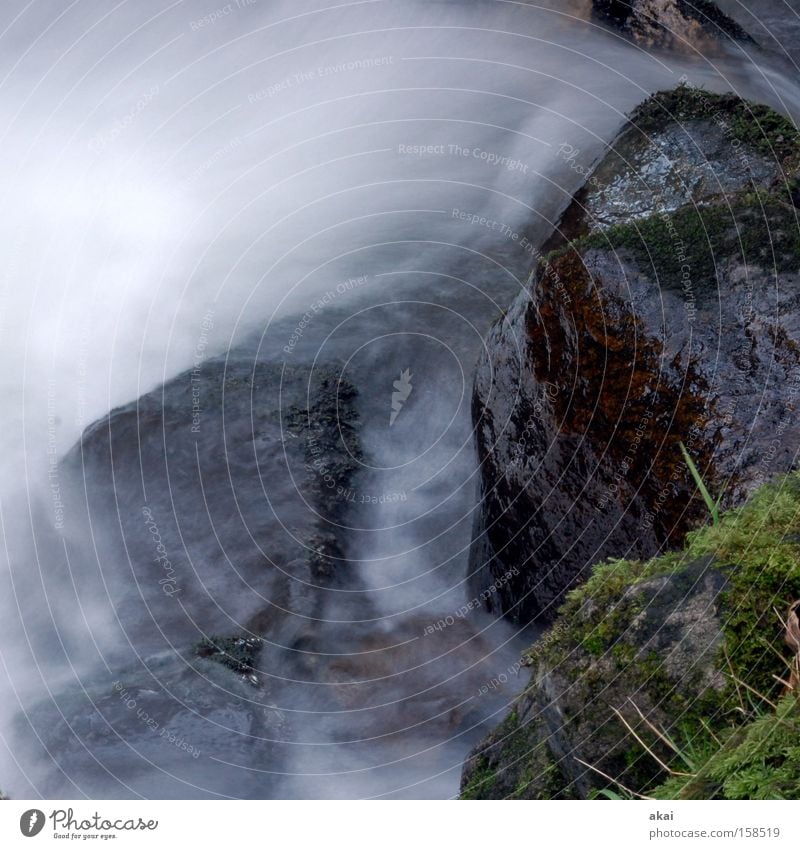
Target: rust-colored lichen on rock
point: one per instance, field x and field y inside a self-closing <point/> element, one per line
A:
<point x="614" y="387"/>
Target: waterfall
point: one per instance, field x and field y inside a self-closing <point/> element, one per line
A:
<point x="229" y="212"/>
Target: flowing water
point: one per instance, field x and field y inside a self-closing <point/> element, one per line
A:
<point x="280" y="197"/>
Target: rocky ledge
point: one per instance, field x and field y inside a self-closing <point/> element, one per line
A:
<point x="670" y="23"/>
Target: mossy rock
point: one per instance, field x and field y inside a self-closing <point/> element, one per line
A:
<point x="756" y="229"/>
<point x="669" y="316"/>
<point x="515" y="763"/>
<point x="664" y="311"/>
<point x="674" y="646"/>
<point x="684" y="146"/>
<point x="746" y="122"/>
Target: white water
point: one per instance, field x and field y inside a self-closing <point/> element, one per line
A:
<point x="161" y="166"/>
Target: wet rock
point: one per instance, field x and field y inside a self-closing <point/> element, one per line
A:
<point x="671" y="316"/>
<point x="652" y="653"/>
<point x="234" y="509"/>
<point x="215" y="515"/>
<point x="172" y="727"/>
<point x="237" y="653"/>
<point x="693" y="24"/>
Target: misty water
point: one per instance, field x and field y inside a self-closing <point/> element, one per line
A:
<point x="275" y="196"/>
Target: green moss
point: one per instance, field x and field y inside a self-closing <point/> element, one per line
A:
<point x="758" y="545"/>
<point x="684" y="249"/>
<point x="760" y="542"/>
<point x="595" y="644"/>
<point x="757" y="229"/>
<point x="605" y="609"/>
<point x="550" y="781"/>
<point x="753" y="124"/>
<point x="756" y="548"/>
<point x="486" y="781"/>
<point x="760" y="760"/>
<point x="482" y="780"/>
<point x="525" y="767"/>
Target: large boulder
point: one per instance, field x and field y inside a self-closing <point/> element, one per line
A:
<point x="667" y="311"/>
<point x="676" y="649"/>
<point x="215" y="512"/>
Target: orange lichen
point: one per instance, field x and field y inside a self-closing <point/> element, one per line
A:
<point x="615" y="387"/>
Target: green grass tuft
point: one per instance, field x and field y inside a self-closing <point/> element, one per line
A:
<point x="711" y="504"/>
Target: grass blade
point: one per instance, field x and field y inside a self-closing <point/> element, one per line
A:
<point x="713" y="506"/>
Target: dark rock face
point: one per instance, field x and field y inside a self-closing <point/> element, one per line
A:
<point x="661" y="23"/>
<point x="673" y="316"/>
<point x="652" y="653"/>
